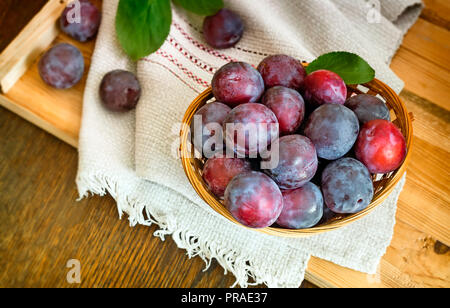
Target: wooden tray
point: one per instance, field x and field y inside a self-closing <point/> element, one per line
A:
<point x="423" y="211"/>
<point x="22" y="90"/>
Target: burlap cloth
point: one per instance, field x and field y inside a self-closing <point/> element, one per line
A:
<point x="131" y="156"/>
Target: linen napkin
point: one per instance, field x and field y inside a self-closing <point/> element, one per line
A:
<point x="132" y="156"/>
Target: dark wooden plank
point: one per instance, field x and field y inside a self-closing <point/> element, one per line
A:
<point x="43" y="226"/>
<point x="14" y="15"/>
<point x="437" y="12"/>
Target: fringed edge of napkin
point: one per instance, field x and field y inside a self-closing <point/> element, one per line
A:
<point x="139" y="212"/>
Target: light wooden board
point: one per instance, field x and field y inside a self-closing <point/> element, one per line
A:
<point x="423" y="215"/>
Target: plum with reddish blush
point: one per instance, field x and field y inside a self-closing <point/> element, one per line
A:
<point x="282" y="70"/>
<point x="333" y="129"/>
<point x="254" y="199"/>
<point x="87" y="26"/>
<point x="237" y="83"/>
<point x="207" y="120"/>
<point x="120" y="91"/>
<point x="347" y="186"/>
<point x="219" y="171"/>
<point x="249" y="129"/>
<point x="380" y="146"/>
<point x="324" y="87"/>
<point x="368" y="107"/>
<point x="223" y="30"/>
<point x="288" y="106"/>
<point x="302" y="207"/>
<point x="297" y="161"/>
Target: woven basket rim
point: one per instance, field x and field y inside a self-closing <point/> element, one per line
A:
<point x="201" y="189"/>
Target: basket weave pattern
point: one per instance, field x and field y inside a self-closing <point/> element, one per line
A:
<point x="383" y="184"/>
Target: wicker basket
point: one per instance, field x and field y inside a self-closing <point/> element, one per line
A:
<point x="383" y="185"/>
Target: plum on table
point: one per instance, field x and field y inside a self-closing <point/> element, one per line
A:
<point x="249" y="129"/>
<point x="220" y="170"/>
<point x="347" y="186"/>
<point x="223" y="30"/>
<point x="381" y="146"/>
<point x="282" y="70"/>
<point x="302" y="207"/>
<point x="120" y="91"/>
<point x="288" y="106"/>
<point x="254" y="199"/>
<point x="206" y="128"/>
<point x="237" y="83"/>
<point x="62" y="66"/>
<point x="87" y="26"/>
<point x="297" y="161"/>
<point x="324" y="87"/>
<point x="333" y="129"/>
<point x="368" y="107"/>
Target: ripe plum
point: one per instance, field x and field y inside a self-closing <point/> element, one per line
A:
<point x="288" y="106"/>
<point x="237" y="83"/>
<point x="120" y="91"/>
<point x="302" y="207"/>
<point x="254" y="199"/>
<point x="347" y="186"/>
<point x="62" y="66"/>
<point x="333" y="129"/>
<point x="223" y="30"/>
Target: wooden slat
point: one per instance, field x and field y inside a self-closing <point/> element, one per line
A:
<point x="428" y="172"/>
<point x="432" y="123"/>
<point x="426" y="204"/>
<point x="430" y="42"/>
<point x="65" y="135"/>
<point x="437" y="12"/>
<point x="32" y="40"/>
<point x="410" y="261"/>
<point x="422" y="77"/>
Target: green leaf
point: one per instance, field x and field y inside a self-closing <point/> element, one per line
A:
<point x="201" y="7"/>
<point x="142" y="26"/>
<point x="351" y="67"/>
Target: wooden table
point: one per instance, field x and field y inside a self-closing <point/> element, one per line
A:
<point x="42" y="225"/>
